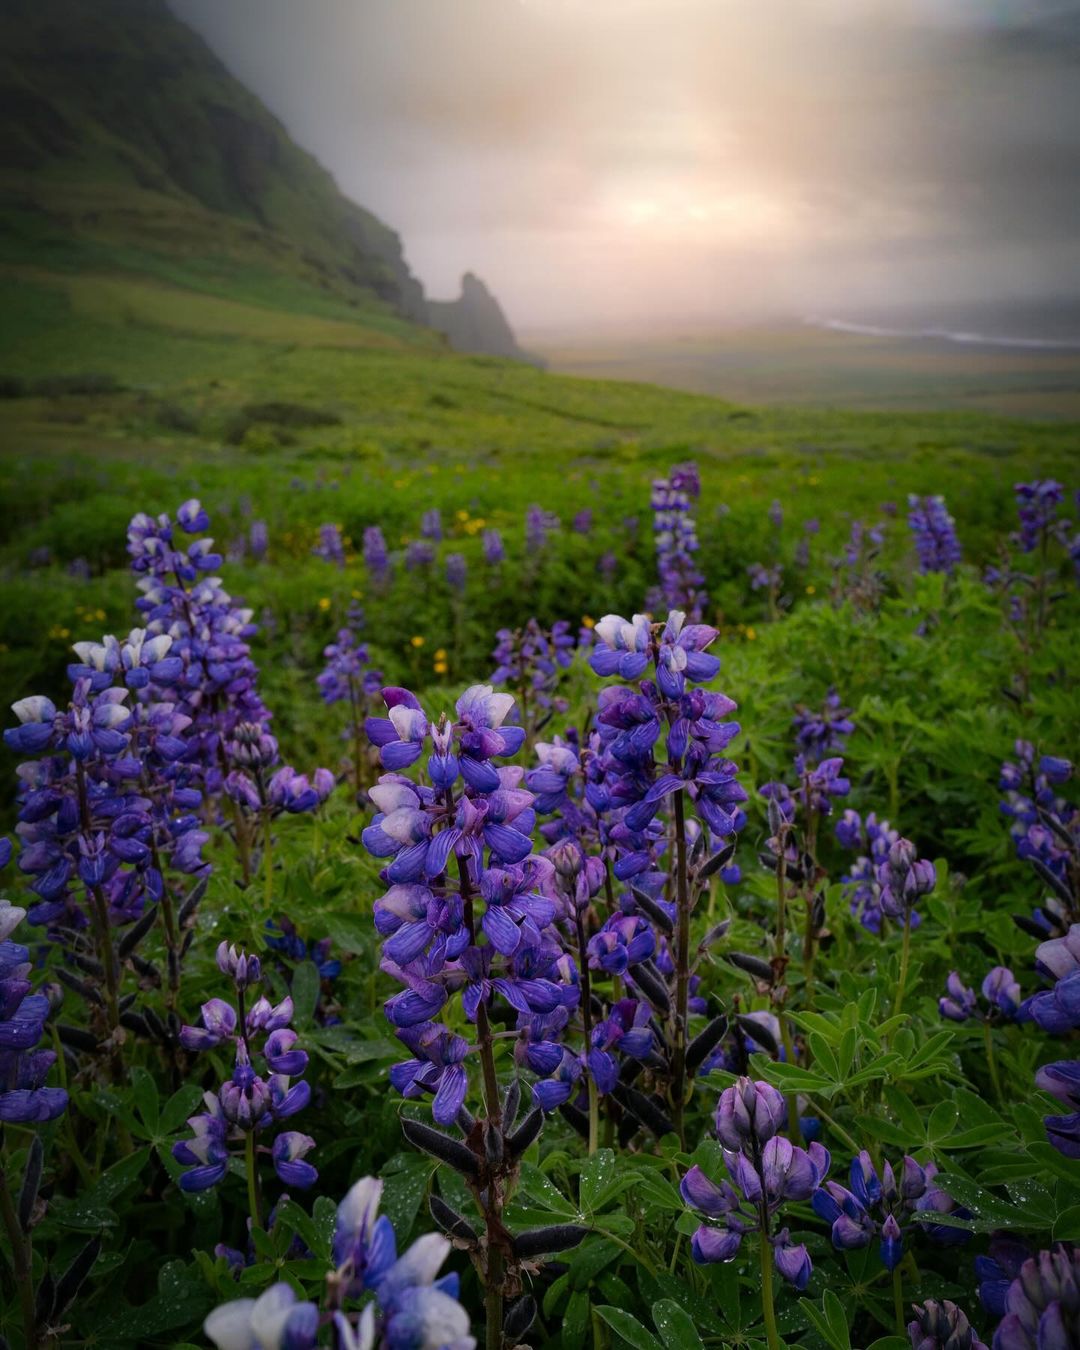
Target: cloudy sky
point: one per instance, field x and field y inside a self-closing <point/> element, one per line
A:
<point x="608" y="161"/>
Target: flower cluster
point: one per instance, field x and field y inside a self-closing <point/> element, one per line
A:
<point x="682" y="586"/>
<point x="934" y="532"/>
<point x="942" y="1326"/>
<point x="24" y="1098"/>
<point x="767" y="1170"/>
<point x="250" y="1103"/>
<point x="376" y="554"/>
<point x="1000" y="991"/>
<point x="538" y="525"/>
<point x="1046" y="831"/>
<point x="871" y="839"/>
<point x="1043" y="1304"/>
<point x="528" y="660"/>
<point x="330" y="546"/>
<point x="819" y="733"/>
<point x="412" y="1309"/>
<point x="881" y="1206"/>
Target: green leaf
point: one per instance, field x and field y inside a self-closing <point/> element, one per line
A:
<point x="596" y="1177"/>
<point x="305" y="991"/>
<point x="575" y="1321"/>
<point x="627" y="1326"/>
<point x="676" y="1326"/>
<point x="942" y="1120"/>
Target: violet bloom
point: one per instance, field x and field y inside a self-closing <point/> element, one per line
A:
<point x="934" y="532"/>
<point x="878" y="1206"/>
<point x="494" y="552"/>
<point x="1000" y="992"/>
<point x="819" y="733"/>
<point x="431" y="525"/>
<point x="904" y="878"/>
<point x="258" y="540"/>
<point x="1037" y="505"/>
<point x="872" y="838"/>
<point x="766" y="1171"/>
<point x="456" y="571"/>
<point x="24" y="1098"/>
<point x="538" y="525"/>
<point x="376" y="555"/>
<point x="330" y="546"/>
<point x="419" y="554"/>
<point x="1045" y="829"/>
<point x="258" y="1094"/>
<point x="583" y="522"/>
<point x="942" y="1326"/>
<point x="682" y="586"/>
<point x="1043" y="1304"/>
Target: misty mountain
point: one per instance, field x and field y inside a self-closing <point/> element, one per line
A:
<point x="120" y="124"/>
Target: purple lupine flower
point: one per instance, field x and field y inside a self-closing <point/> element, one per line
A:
<point x="904" y="878"/>
<point x="876" y="1206"/>
<point x="766" y="1171"/>
<point x="583" y="521"/>
<point x="873" y="838"/>
<point x="997" y="1270"/>
<point x="818" y="733"/>
<point x="456" y="571"/>
<point x="856" y="575"/>
<point x="529" y="660"/>
<point x="1037" y="505"/>
<point x="1045" y="828"/>
<point x="258" y="540"/>
<point x="431" y="525"/>
<point x="331" y="546"/>
<point x="24" y="1097"/>
<point x="258" y="1094"/>
<point x="538" y="525"/>
<point x="494" y="552"/>
<point x="942" y="1326"/>
<point x="934" y="532"/>
<point x="276" y="1320"/>
<point x="776" y="514"/>
<point x="1043" y="1304"/>
<point x="376" y="555"/>
<point x="682" y="587"/>
<point x="418" y="555"/>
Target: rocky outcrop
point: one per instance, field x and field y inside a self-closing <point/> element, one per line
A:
<point x="475" y="322"/>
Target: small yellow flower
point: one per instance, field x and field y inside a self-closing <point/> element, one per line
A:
<point x="324" y="602"/>
<point x="587" y="622"/>
<point x="810" y="590"/>
<point x="356" y="594"/>
<point x="813" y="480"/>
<point x="462" y="514"/>
<point x="417" y="640"/>
<point x="440" y="667"/>
<point x="750" y="635"/>
<point x="440" y="655"/>
<point x="99" y="614"/>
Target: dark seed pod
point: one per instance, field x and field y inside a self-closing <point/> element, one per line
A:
<point x="146" y="969"/>
<point x="715" y="933"/>
<point x="87" y="964"/>
<point x="526" y="1132"/>
<point x="81" y="987"/>
<point x="1029" y="926"/>
<point x="172" y="961"/>
<point x="77" y="1037"/>
<point x="511" y="1102"/>
<point x="713" y="865"/>
<point x="817" y="912"/>
<point x="1054" y="882"/>
<point x="450" y="1221"/>
<point x="651" y="983"/>
<point x="520" y="1316"/>
<point x="70" y="1282"/>
<point x="133" y="1021"/>
<point x="158" y="1029"/>
<point x="652" y="910"/>
<point x="136" y="933"/>
<point x="1055" y="826"/>
<point x="578" y="1120"/>
<point x="560" y="1237"/>
<point x="465" y="1121"/>
<point x="31" y="1183"/>
<point x="493" y="1144"/>
<point x="191" y="900"/>
<point x="705" y="1042"/>
<point x="775" y="816"/>
<point x="646" y="1109"/>
<point x="752" y="965"/>
<point x="189" y="937"/>
<point x="46" y="1293"/>
<point x="441" y="1146"/>
<point x="126" y="1002"/>
<point x="759" y="1034"/>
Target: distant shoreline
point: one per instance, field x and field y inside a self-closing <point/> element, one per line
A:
<point x="960" y="337"/>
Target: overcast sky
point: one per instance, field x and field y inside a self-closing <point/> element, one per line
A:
<point x="598" y="161"/>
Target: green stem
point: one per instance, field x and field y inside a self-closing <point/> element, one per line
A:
<point x="252" y="1171"/>
<point x="991" y="1063"/>
<point x="682" y="971"/>
<point x="594" y="1116"/>
<point x="768" y="1309"/>
<point x="268" y="863"/>
<point x="898" y="1300"/>
<point x="21" y="1261"/>
<point x="905" y="957"/>
<point x="792" y="1100"/>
